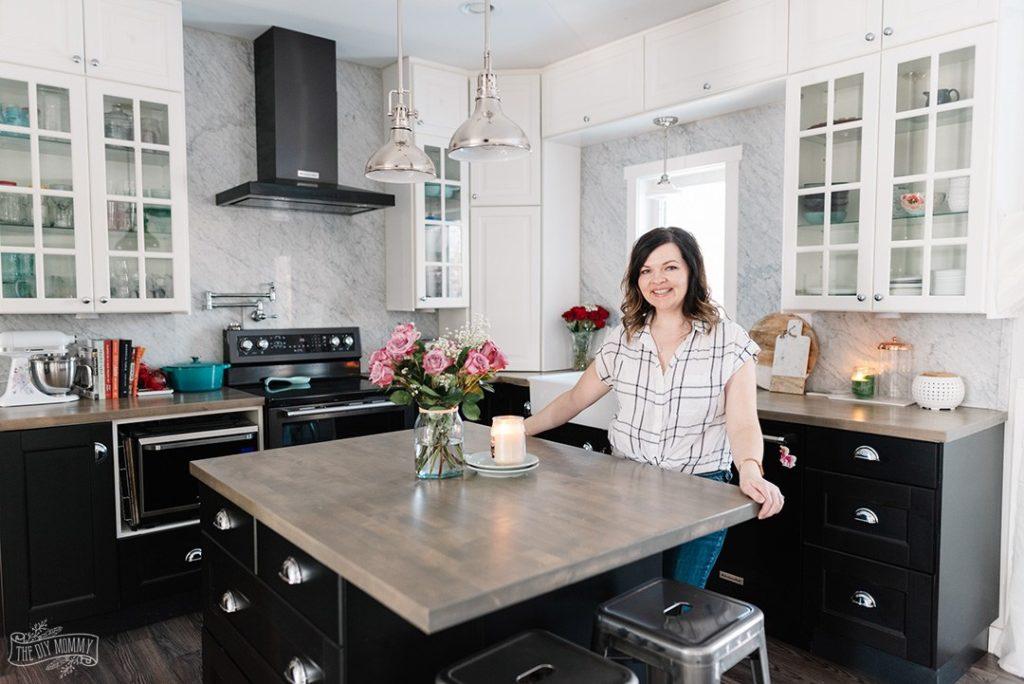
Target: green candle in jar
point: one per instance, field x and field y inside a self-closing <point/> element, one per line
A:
<point x="862" y="383"/>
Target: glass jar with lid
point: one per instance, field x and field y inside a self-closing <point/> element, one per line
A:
<point x="895" y="362"/>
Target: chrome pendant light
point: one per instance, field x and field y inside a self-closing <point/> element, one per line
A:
<point x="488" y="135"/>
<point x="664" y="186"/>
<point x="399" y="160"/>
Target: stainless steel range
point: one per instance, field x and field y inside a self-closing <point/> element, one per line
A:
<point x="311" y="384"/>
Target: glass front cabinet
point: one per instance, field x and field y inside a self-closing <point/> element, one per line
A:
<point x="887" y="159"/>
<point x="92" y="195"/>
<point x="427" y="236"/>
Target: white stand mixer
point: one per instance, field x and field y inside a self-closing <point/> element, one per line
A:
<point x="42" y="370"/>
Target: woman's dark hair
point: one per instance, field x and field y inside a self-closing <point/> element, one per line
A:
<point x="697" y="304"/>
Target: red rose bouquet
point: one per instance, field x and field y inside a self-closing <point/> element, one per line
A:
<point x="582" y="321"/>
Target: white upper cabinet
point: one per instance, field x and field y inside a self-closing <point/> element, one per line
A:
<point x="735" y="43"/>
<point x="515" y="182"/>
<point x="135" y="41"/>
<point x="827" y="31"/>
<point x="597" y="86"/>
<point x="440" y="97"/>
<point x="43" y="33"/>
<point x="905" y="21"/>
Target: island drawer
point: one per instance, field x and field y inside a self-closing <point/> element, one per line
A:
<point x="228" y="525"/>
<point x="872" y="603"/>
<point x="271" y="627"/>
<point x="304" y="584"/>
<point x="892" y="459"/>
<point x="893" y="523"/>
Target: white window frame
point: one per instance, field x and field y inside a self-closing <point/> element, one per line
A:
<point x="727" y="157"/>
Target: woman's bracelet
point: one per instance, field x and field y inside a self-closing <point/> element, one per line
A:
<point x="757" y="461"/>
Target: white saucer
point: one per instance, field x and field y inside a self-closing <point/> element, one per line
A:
<point x="487" y="472"/>
<point x="481" y="460"/>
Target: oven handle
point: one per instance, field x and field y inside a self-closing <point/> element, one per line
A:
<point x="339" y="409"/>
<point x="192" y="436"/>
<point x="200" y="442"/>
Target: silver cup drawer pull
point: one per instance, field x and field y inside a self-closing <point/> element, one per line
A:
<point x="223" y="520"/>
<point x="302" y="671"/>
<point x="291" y="572"/>
<point x="863" y="599"/>
<point x="866" y="453"/>
<point x="233" y="601"/>
<point x="194" y="556"/>
<point x="866" y="516"/>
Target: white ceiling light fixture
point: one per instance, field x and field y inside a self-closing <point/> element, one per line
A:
<point x="399" y="160"/>
<point x="488" y="135"/>
<point x="664" y="187"/>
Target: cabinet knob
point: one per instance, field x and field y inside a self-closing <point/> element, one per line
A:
<point x="475" y="196"/>
<point x="233" y="601"/>
<point x="222" y="520"/>
<point x="887" y="31"/>
<point x="866" y="453"/>
<point x="301" y="671"/>
<point x="291" y="571"/>
<point x="865" y="515"/>
<point x="587" y="446"/>
<point x="861" y="298"/>
<point x="586" y="118"/>
<point x="86" y="300"/>
<point x="869" y="36"/>
<point x="194" y="556"/>
<point x="77" y="59"/>
<point x="104" y="300"/>
<point x="706" y="86"/>
<point x="94" y="62"/>
<point x="527" y="407"/>
<point x="879" y="297"/>
<point x="863" y="599"/>
<point x="99" y="452"/>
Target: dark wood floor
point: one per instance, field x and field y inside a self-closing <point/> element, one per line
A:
<point x="170" y="652"/>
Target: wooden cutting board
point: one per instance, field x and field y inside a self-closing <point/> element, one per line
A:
<point x="770" y="327"/>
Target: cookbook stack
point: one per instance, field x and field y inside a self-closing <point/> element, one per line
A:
<point x="115" y="367"/>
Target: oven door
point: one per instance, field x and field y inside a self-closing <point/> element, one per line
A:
<point x="165" y="490"/>
<point x="294" y="425"/>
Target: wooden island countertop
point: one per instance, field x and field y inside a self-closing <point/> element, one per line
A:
<point x="440" y="553"/>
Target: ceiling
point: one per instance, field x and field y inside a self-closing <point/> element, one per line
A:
<point x="524" y="33"/>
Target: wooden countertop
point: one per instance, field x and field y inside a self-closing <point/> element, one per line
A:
<point x="89" y="411"/>
<point x="439" y="553"/>
<point x="909" y="422"/>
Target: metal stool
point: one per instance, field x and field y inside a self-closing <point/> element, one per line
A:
<point x="682" y="633"/>
<point x="536" y="656"/>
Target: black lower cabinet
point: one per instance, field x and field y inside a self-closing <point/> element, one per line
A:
<point x="58" y="553"/>
<point x="159" y="564"/>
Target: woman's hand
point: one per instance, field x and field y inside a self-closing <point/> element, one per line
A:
<point x="753" y="484"/>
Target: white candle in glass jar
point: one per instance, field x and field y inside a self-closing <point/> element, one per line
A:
<point x="508" y="440"/>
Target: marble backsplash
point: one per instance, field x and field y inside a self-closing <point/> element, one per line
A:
<point x="974" y="347"/>
<point x="329" y="269"/>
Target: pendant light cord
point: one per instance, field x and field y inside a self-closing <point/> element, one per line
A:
<point x="487" y="36"/>
<point x="401" y="67"/>
<point x="664" y="163"/>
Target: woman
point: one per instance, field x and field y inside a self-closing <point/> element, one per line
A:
<point x="685" y="384"/>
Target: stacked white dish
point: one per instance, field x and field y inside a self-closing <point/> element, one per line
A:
<point x="948" y="281"/>
<point x="905" y="285"/>
<point x="481" y="463"/>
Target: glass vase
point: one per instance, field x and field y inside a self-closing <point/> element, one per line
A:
<point x="581" y="348"/>
<point x="439" y="444"/>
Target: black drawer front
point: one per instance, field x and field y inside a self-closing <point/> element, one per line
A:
<point x="315" y="596"/>
<point x="879" y="605"/>
<point x="893" y="523"/>
<point x="159" y="564"/>
<point x="882" y="458"/>
<point x="228" y="525"/>
<point x="271" y="627"/>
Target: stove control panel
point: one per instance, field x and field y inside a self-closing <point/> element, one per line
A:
<point x="292" y="345"/>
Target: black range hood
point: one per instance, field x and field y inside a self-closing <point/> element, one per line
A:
<point x="297" y="131"/>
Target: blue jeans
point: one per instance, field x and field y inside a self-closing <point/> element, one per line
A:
<point x="692" y="562"/>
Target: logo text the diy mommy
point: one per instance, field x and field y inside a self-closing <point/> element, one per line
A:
<point x="44" y="644"/>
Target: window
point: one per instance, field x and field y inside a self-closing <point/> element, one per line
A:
<point x="702" y="201"/>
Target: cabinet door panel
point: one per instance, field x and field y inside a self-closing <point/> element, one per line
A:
<point x="42" y="33"/>
<point x="729" y="45"/>
<point x="515" y="182"/>
<point x="912" y="20"/>
<point x="506" y="279"/>
<point x="595" y="87"/>
<point x="135" y="41"/>
<point x="826" y="31"/>
<point x="441" y="99"/>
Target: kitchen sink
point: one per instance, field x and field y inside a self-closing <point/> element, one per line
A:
<point x="544" y="389"/>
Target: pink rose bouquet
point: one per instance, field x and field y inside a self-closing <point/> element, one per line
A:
<point x="451" y="371"/>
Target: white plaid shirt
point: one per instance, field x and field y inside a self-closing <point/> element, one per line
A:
<point x="674" y="420"/>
